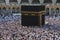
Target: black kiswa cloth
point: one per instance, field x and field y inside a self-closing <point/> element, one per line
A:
<point x="33" y="8"/>
<point x="29" y="20"/>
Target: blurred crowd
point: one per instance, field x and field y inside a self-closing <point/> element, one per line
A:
<point x="53" y="22"/>
<point x="11" y="29"/>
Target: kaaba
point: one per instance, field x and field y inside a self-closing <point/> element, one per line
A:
<point x="31" y="16"/>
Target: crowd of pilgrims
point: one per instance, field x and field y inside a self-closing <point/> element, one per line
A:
<point x="11" y="29"/>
